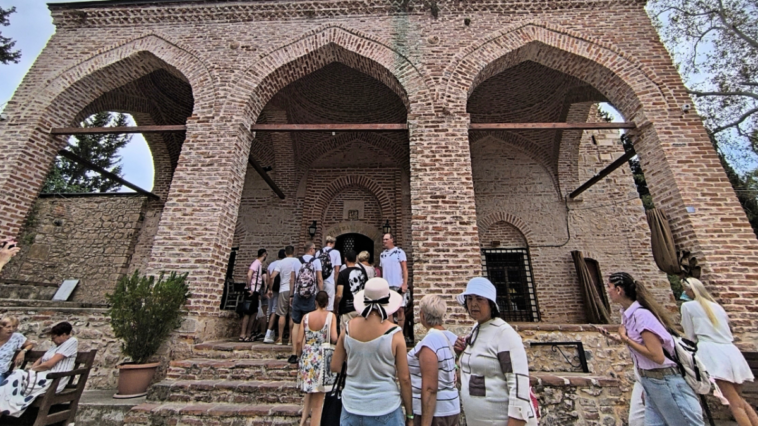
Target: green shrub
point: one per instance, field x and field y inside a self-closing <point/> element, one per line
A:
<point x="145" y="311"/>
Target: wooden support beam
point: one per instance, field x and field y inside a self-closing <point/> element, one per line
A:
<point x="119" y="130"/>
<point x="265" y="177"/>
<point x="95" y="168"/>
<point x="605" y="172"/>
<point x="550" y="126"/>
<point x="331" y="127"/>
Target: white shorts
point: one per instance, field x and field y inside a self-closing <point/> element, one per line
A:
<point x="406" y="295"/>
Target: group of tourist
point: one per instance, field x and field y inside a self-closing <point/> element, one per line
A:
<point x="661" y="396"/>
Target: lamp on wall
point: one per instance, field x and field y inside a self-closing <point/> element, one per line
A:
<point x="312" y="229"/>
<point x="386" y="228"/>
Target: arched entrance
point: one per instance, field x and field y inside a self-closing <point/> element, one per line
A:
<point x="356" y="242"/>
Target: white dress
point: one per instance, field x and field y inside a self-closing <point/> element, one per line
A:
<point x="723" y="360"/>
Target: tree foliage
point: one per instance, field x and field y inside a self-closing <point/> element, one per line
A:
<point x="71" y="177"/>
<point x="716" y="42"/>
<point x="7" y="54"/>
<point x="144" y="312"/>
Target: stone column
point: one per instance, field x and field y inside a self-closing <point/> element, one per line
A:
<point x="196" y="229"/>
<point x="686" y="180"/>
<point x="445" y="237"/>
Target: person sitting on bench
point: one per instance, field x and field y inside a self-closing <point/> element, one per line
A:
<point x="21" y="387"/>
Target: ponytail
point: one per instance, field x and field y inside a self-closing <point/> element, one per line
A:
<point x="702" y="297"/>
<point x="636" y="291"/>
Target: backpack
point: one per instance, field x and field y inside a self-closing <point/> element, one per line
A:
<point x="689" y="364"/>
<point x="275" y="285"/>
<point x="326" y="263"/>
<point x="306" y="283"/>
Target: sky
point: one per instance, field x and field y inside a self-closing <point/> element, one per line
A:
<point x="31" y="27"/>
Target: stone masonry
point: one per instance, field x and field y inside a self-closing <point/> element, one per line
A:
<point x="221" y="66"/>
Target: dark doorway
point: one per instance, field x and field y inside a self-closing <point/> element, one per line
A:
<point x="356" y="242"/>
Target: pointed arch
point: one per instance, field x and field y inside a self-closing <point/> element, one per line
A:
<point x="624" y="80"/>
<point x="275" y="69"/>
<point x="337" y="185"/>
<point x="485" y="222"/>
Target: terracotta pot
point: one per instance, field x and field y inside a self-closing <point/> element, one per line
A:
<point x="133" y="379"/>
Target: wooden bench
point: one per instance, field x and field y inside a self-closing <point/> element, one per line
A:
<point x="56" y="408"/>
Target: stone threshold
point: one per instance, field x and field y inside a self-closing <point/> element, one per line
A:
<point x="542" y="326"/>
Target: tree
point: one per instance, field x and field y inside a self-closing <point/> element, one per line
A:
<point x="716" y="41"/>
<point x="6" y="44"/>
<point x="70" y="177"/>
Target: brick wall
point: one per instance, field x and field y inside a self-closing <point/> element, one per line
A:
<point x="243" y="61"/>
<point x="90" y="238"/>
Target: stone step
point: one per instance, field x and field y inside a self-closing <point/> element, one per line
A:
<point x="241" y="350"/>
<point x="226" y="391"/>
<point x="201" y="414"/>
<point x="232" y="369"/>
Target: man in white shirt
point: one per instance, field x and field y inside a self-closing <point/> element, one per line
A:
<point x="335" y="259"/>
<point x="394" y="266"/>
<point x="286" y="269"/>
<point x="273" y="297"/>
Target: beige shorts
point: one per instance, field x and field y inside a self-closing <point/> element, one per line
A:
<point x="283" y="305"/>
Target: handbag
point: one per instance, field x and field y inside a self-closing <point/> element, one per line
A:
<point x="327" y="351"/>
<point x="332" y="410"/>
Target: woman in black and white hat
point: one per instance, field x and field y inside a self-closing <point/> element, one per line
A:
<point x="495" y="387"/>
<point x="376" y="357"/>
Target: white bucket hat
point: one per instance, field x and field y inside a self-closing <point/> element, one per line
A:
<point x="479" y="286"/>
<point x="376" y="295"/>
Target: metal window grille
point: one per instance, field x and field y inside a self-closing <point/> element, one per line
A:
<point x="511" y="272"/>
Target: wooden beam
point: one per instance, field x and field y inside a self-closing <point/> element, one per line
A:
<point x="331" y="127"/>
<point x="105" y="173"/>
<point x="550" y="126"/>
<point x="119" y="130"/>
<point x="605" y="172"/>
<point x="265" y="176"/>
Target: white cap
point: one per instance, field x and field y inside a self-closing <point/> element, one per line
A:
<point x="479" y="286"/>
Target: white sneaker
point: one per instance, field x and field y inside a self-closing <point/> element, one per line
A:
<point x="269" y="337"/>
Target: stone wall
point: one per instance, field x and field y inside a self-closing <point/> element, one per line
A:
<point x="91" y="327"/>
<point x="90" y="238"/>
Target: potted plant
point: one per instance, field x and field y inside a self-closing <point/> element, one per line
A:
<point x="144" y="311"/>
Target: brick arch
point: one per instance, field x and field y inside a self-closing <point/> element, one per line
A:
<point x="127" y="62"/>
<point x="624" y="80"/>
<point x="395" y="150"/>
<point x="337" y="185"/>
<point x="486" y="221"/>
<point x="273" y="70"/>
<point x="523" y="145"/>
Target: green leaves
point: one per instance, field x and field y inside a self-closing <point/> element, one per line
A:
<point x="68" y="176"/>
<point x="7" y="55"/>
<point x="144" y="311"/>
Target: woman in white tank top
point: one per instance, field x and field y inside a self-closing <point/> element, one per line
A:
<point x="375" y="352"/>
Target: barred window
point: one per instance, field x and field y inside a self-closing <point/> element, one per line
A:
<point x="511" y="272"/>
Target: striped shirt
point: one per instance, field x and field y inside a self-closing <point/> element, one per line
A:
<point x="68" y="349"/>
<point x="448" y="401"/>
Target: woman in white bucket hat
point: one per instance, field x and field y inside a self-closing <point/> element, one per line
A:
<point x="495" y="387"/>
<point x="376" y="357"/>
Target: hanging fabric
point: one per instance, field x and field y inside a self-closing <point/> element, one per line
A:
<point x="595" y="304"/>
<point x="662" y="242"/>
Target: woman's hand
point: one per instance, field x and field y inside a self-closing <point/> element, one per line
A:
<point x="20" y="358"/>
<point x="460" y="345"/>
<point x="608" y="334"/>
<point x="622" y="334"/>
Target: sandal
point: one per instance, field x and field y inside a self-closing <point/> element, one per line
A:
<point x="241" y="339"/>
<point x="249" y="338"/>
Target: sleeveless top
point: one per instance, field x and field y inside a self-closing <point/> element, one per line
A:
<point x="370" y="387"/>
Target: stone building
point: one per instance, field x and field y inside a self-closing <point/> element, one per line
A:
<point x="461" y="201"/>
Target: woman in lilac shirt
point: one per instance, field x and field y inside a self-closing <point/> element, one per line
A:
<point x="669" y="400"/>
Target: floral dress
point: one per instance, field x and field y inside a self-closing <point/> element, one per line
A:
<point x="314" y="373"/>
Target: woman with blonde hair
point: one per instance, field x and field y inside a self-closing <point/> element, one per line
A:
<point x="705" y="322"/>
<point x="432" y="366"/>
<point x="363" y="259"/>
<point x="10" y="343"/>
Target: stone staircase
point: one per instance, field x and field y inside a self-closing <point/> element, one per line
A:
<point x="225" y="383"/>
<point x="244" y="384"/>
